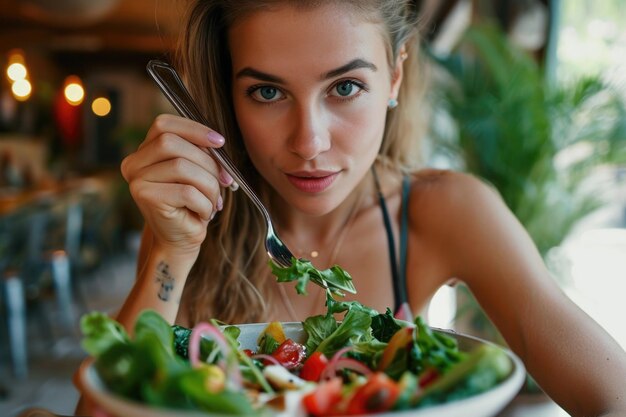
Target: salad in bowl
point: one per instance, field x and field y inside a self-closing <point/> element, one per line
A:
<point x="352" y="360"/>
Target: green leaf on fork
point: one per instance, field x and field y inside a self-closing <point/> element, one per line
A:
<point x="302" y="271"/>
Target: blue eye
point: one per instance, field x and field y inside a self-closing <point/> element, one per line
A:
<point x="268" y="93"/>
<point x="346" y="89"/>
<point x="265" y="93"/>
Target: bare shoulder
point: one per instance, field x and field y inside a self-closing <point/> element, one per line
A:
<point x="465" y="219"/>
<point x="449" y="195"/>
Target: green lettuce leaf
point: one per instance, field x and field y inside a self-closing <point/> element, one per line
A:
<point x="148" y="368"/>
<point x="303" y="271"/>
<point x="335" y="306"/>
<point x="150" y="324"/>
<point x="318" y="328"/>
<point x="100" y="332"/>
<point x="354" y="328"/>
<point x="267" y="344"/>
<point x="385" y="325"/>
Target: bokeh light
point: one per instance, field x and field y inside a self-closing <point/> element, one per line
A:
<point x="101" y="106"/>
<point x="21" y="89"/>
<point x="74" y="91"/>
<point x="16" y="71"/>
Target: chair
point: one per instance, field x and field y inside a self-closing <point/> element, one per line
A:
<point x="46" y="270"/>
<point x="12" y="291"/>
<point x="35" y="268"/>
<point x="100" y="232"/>
<point x="90" y="244"/>
<point x="14" y="300"/>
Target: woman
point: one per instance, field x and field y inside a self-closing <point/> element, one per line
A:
<point x="319" y="103"/>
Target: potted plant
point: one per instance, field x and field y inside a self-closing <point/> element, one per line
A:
<point x="539" y="144"/>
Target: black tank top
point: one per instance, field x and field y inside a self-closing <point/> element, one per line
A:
<point x="398" y="264"/>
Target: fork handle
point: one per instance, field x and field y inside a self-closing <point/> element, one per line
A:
<point x="172" y="86"/>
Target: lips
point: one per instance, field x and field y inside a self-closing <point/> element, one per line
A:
<point x="312" y="182"/>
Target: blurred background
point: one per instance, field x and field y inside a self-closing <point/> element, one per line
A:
<point x="527" y="94"/>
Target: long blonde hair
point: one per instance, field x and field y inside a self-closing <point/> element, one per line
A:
<point x="229" y="281"/>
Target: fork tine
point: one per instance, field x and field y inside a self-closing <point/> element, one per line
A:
<point x="278" y="252"/>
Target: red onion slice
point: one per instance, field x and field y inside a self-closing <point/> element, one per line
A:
<point x="231" y="367"/>
<point x="337" y="363"/>
<point x="269" y="358"/>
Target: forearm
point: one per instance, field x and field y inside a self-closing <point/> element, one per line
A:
<point x="159" y="286"/>
<point x="614" y="414"/>
<point x="578" y="364"/>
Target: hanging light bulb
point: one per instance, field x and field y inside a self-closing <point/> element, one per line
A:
<point x="73" y="90"/>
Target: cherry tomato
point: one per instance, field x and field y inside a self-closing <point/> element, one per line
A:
<point x="313" y="367"/>
<point x="378" y="394"/>
<point x="290" y="354"/>
<point x="322" y="401"/>
<point x="248" y="352"/>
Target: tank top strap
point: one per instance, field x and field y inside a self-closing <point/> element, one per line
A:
<point x="404" y="234"/>
<point x="398" y="266"/>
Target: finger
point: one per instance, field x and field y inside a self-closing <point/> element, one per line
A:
<point x="224" y="177"/>
<point x="166" y="147"/>
<point x="166" y="198"/>
<point x="183" y="171"/>
<point x="194" y="132"/>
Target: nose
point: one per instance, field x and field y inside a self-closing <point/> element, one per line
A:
<point x="310" y="134"/>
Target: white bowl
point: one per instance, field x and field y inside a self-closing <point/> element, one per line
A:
<point x="486" y="404"/>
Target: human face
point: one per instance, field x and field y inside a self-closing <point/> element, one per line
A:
<point x="310" y="92"/>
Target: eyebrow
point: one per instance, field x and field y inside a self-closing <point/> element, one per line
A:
<point x="251" y="72"/>
<point x="352" y="65"/>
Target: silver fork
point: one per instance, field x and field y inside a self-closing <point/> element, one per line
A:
<point x="172" y="86"/>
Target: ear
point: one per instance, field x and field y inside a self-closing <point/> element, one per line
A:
<point x="396" y="75"/>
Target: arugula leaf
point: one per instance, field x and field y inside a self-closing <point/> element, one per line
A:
<point x="100" y="332"/>
<point x="335" y="306"/>
<point x="368" y="351"/>
<point x="181" y="340"/>
<point x="302" y="271"/>
<point x="354" y="328"/>
<point x="318" y="328"/>
<point x="384" y="326"/>
<point x="268" y="344"/>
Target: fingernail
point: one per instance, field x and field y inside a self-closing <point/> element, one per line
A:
<point x="213" y="215"/>
<point x="220" y="203"/>
<point x="225" y="177"/>
<point x="215" y="138"/>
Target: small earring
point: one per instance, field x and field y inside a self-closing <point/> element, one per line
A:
<point x="392" y="103"/>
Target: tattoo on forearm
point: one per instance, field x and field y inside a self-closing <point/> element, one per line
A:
<point x="166" y="280"/>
